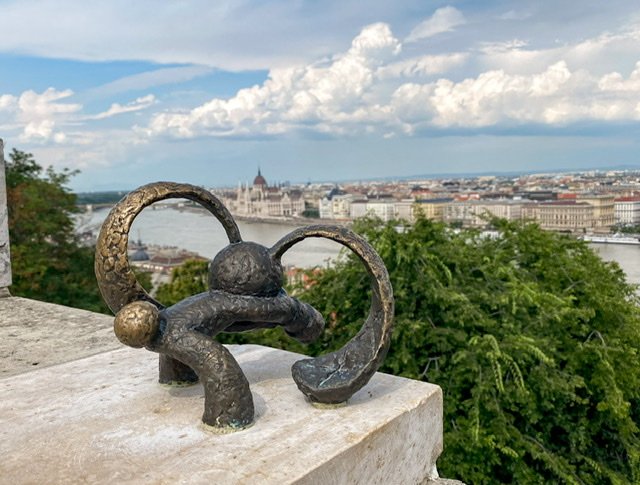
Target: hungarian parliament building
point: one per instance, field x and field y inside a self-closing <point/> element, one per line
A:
<point x="262" y="201"/>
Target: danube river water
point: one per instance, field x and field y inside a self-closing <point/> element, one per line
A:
<point x="626" y="255"/>
<point x="200" y="232"/>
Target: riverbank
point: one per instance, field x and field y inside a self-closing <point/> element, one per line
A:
<point x="611" y="239"/>
<point x="286" y="221"/>
<point x="198" y="231"/>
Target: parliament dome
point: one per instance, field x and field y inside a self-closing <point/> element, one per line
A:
<point x="260" y="180"/>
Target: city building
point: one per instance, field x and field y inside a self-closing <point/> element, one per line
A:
<point x="603" y="210"/>
<point x="382" y="208"/>
<point x="160" y="261"/>
<point x="336" y="205"/>
<point x="431" y="208"/>
<point x="612" y="197"/>
<point x="474" y="213"/>
<point x="574" y="213"/>
<point x="405" y="209"/>
<point x="561" y="215"/>
<point x="627" y="210"/>
<point x="358" y="209"/>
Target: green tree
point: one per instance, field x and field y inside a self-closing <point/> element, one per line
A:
<point x="533" y="338"/>
<point x="188" y="279"/>
<point x="47" y="261"/>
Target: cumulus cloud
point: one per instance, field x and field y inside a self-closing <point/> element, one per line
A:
<point x="423" y="65"/>
<point x="50" y="118"/>
<point x="368" y="89"/>
<point x="508" y="73"/>
<point x="481" y="101"/>
<point x="86" y="149"/>
<point x="41" y="113"/>
<point x="444" y="19"/>
<point x="555" y="96"/>
<point x="372" y="87"/>
<point x="8" y="105"/>
<point x="616" y="82"/>
<point x="7" y="102"/>
<point x="316" y="95"/>
<point x="600" y="54"/>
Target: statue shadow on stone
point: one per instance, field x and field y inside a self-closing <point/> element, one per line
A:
<point x="245" y="293"/>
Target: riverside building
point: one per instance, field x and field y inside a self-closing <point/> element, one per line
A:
<point x="474" y="213"/>
<point x="262" y="201"/>
<point x="627" y="210"/>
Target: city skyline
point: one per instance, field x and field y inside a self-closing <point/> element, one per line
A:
<point x="186" y="91"/>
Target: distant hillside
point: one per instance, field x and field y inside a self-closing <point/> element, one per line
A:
<point x="109" y="197"/>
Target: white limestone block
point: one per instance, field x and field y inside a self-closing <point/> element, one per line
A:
<point x="105" y="419"/>
<point x="5" y="261"/>
<point x="35" y="334"/>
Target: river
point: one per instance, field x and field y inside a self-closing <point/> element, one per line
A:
<point x="626" y="255"/>
<point x="200" y="232"/>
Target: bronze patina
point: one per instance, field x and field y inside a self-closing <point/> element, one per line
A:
<point x="245" y="293"/>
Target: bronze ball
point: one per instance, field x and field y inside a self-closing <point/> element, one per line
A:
<point x="246" y="268"/>
<point x="136" y="324"/>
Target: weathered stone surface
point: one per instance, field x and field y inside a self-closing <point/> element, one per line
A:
<point x="5" y="261"/>
<point x="104" y="419"/>
<point x="442" y="481"/>
<point x="34" y="334"/>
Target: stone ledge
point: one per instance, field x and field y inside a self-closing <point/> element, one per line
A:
<point x="104" y="419"/>
<point x="35" y="334"/>
<point x="442" y="481"/>
<point x="5" y="256"/>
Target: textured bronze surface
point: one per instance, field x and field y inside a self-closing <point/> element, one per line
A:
<point x="245" y="281"/>
<point x="335" y="377"/>
<point x="137" y="324"/>
<point x="118" y="284"/>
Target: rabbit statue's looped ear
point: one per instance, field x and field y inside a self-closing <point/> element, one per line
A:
<point x="335" y="377"/>
<point x="116" y="280"/>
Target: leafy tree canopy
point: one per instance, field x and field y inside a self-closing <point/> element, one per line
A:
<point x="188" y="279"/>
<point x="47" y="261"/>
<point x="533" y="338"/>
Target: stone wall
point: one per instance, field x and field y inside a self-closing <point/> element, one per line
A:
<point x="5" y="261"/>
<point x="91" y="410"/>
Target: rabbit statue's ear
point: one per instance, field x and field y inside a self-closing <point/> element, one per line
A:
<point x="335" y="377"/>
<point x="116" y="280"/>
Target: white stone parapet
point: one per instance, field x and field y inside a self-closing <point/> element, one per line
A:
<point x="77" y="407"/>
<point x="5" y="260"/>
<point x="35" y="334"/>
<point x="105" y="419"/>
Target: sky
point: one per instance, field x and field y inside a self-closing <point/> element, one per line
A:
<point x="206" y="92"/>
